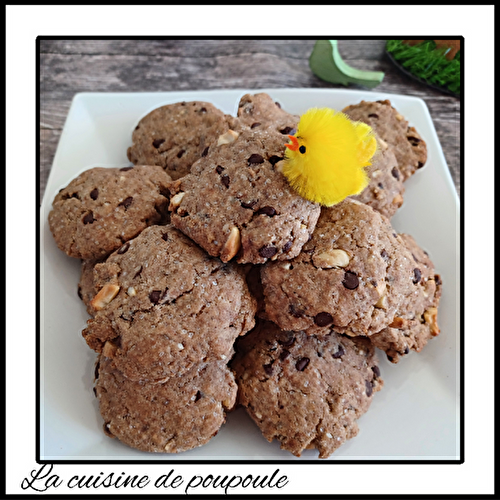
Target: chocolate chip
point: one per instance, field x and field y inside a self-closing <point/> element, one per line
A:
<point x="390" y="358"/>
<point x="339" y="353"/>
<point x="138" y="273"/>
<point x="124" y="248"/>
<point x="126" y="169"/>
<point x="268" y="369"/>
<point x="89" y="218"/>
<point x="94" y="194"/>
<point x="416" y="275"/>
<point x="278" y="104"/>
<point x="384" y="254"/>
<point x="437" y="279"/>
<point x="269" y="211"/>
<point x="164" y="237"/>
<point x="126" y="202"/>
<point x="256" y="124"/>
<point x="286" y="130"/>
<point x="287" y="246"/>
<point x="380" y="185"/>
<point x="198" y="396"/>
<point x="284" y="354"/>
<point x="180" y="153"/>
<point x="225" y="180"/>
<point x="274" y="159"/>
<point x="288" y="340"/>
<point x="268" y="251"/>
<point x="395" y="235"/>
<point x="205" y="152"/>
<point x="323" y="319"/>
<point x="395" y="173"/>
<point x="219" y="169"/>
<point x="407" y="350"/>
<point x="154" y="296"/>
<point x="295" y="311"/>
<point x="369" y="388"/>
<point x="255" y="159"/>
<point x="420" y="164"/>
<point x="373" y="115"/>
<point x="301" y="364"/>
<point x="249" y="205"/>
<point x="203" y="110"/>
<point x="96" y="370"/>
<point x="414" y="140"/>
<point x="350" y="281"/>
<point x="376" y="371"/>
<point x="80" y="292"/>
<point x="158" y="142"/>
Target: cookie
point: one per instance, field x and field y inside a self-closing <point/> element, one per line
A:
<point x="163" y="305"/>
<point x="104" y="207"/>
<point x="410" y="149"/>
<point x="305" y="391"/>
<point x="236" y="203"/>
<point x="166" y="417"/>
<point x="259" y="111"/>
<point x="86" y="290"/>
<point x="385" y="190"/>
<point x="352" y="276"/>
<point x="415" y="322"/>
<point x="176" y="135"/>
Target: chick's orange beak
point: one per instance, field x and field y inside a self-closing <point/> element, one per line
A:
<point x="295" y="143"/>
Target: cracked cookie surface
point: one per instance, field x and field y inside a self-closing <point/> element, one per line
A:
<point x="259" y="111"/>
<point x="415" y="322"/>
<point x="167" y="417"/>
<point x="164" y="305"/>
<point x="104" y="207"/>
<point x="305" y="391"/>
<point x="352" y="276"/>
<point x="385" y="190"/>
<point x="408" y="146"/>
<point x="176" y="135"/>
<point x="236" y="203"/>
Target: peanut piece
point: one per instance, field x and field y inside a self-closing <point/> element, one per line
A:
<point x="228" y="137"/>
<point x="382" y="301"/>
<point x="175" y="201"/>
<point x="279" y="166"/>
<point x="106" y="294"/>
<point x="232" y="245"/>
<point x="398" y="323"/>
<point x="383" y="144"/>
<point x="109" y="349"/>
<point x="398" y="200"/>
<point x="331" y="258"/>
<point x="399" y="117"/>
<point x="430" y="317"/>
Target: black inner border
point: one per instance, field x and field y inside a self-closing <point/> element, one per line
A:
<point x="256" y="462"/>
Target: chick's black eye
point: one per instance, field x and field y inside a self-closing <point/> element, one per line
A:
<point x="302" y="149"/>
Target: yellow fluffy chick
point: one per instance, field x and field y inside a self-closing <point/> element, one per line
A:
<point x="326" y="159"/>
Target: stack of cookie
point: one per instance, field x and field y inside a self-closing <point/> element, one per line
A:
<point x="203" y="239"/>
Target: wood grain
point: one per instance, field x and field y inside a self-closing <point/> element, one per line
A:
<point x="71" y="66"/>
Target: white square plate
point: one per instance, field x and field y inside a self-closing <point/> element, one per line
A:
<point x="416" y="415"/>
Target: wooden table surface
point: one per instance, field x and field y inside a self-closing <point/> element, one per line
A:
<point x="71" y="66"/>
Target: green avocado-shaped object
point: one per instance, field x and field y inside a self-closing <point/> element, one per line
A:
<point x="326" y="63"/>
